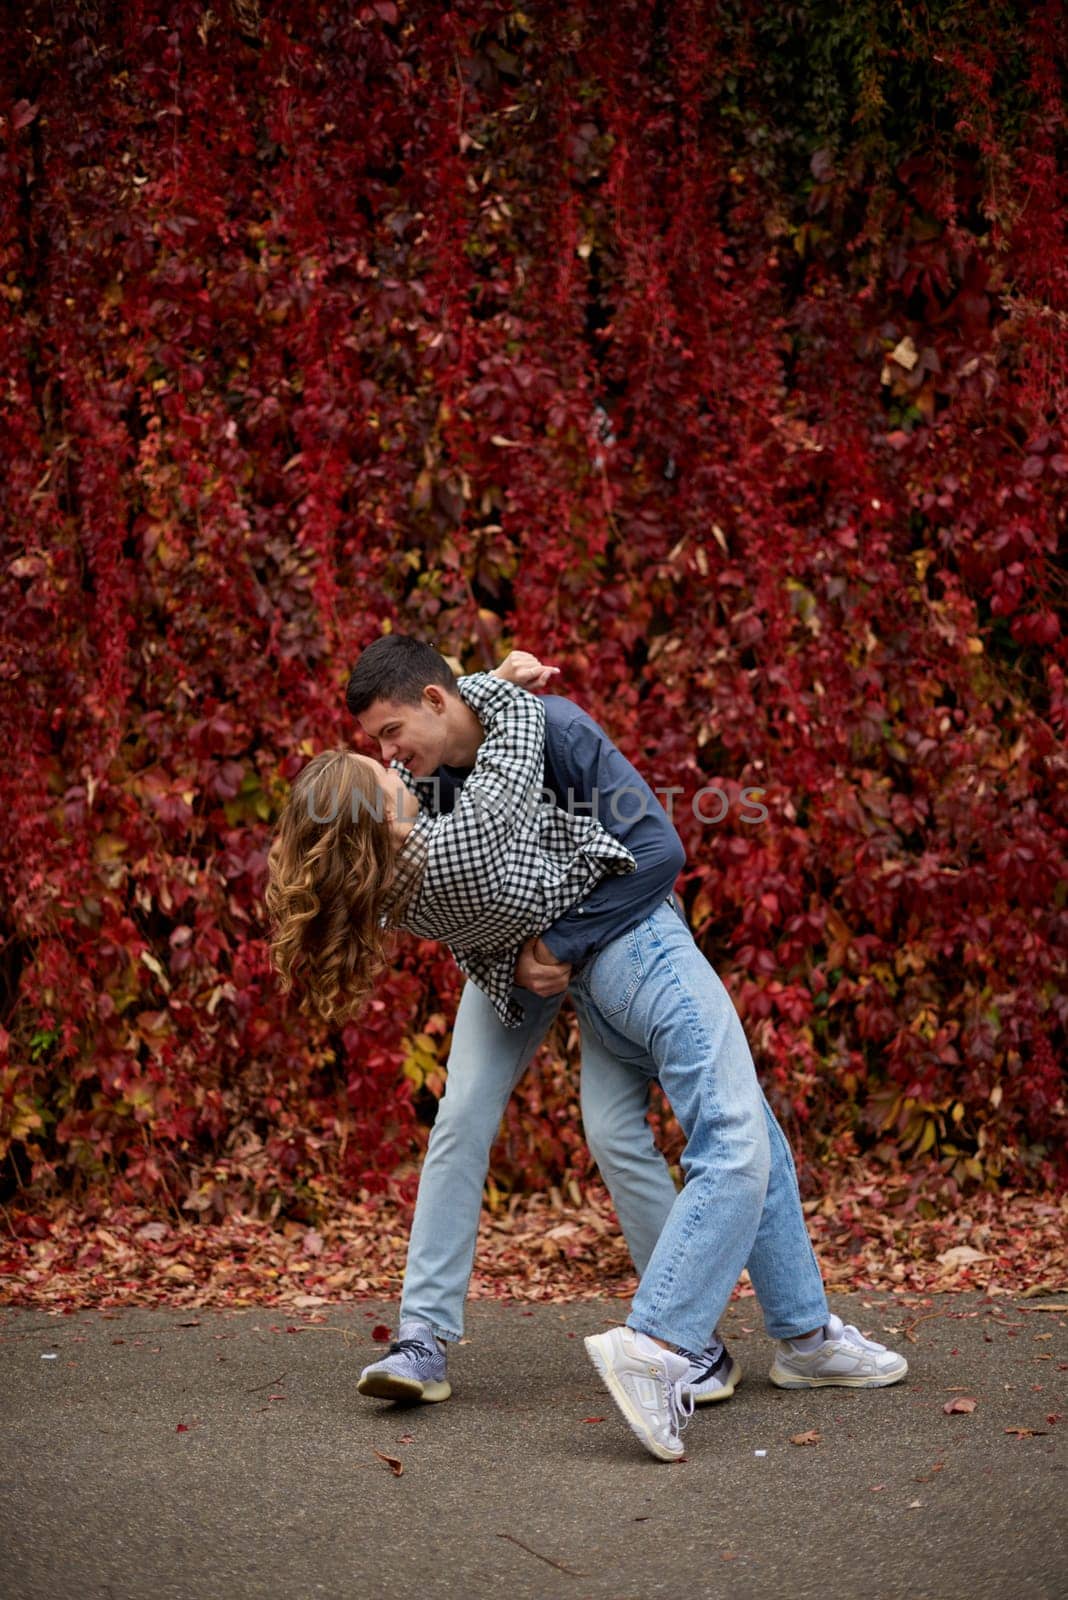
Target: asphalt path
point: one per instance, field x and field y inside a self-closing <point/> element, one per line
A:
<point x="173" y="1454"/>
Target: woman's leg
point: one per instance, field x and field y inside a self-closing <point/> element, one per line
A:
<point x="615" y="1099"/>
<point x="486" y="1062"/>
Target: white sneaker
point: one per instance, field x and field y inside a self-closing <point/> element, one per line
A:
<point x="646" y="1384"/>
<point x="713" y="1375"/>
<point x="844" y="1360"/>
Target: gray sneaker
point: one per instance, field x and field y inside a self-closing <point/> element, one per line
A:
<point x="713" y="1375"/>
<point x="413" y="1370"/>
<point x="845" y="1360"/>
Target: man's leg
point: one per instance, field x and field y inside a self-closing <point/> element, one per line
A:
<point x="486" y="1062"/>
<point x="655" y="1002"/>
<point x="653" y="999"/>
<point x="782" y="1264"/>
<point x="615" y="1099"/>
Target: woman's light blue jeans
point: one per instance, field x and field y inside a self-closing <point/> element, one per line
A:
<point x="649" y="1006"/>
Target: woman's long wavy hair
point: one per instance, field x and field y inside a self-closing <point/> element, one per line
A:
<point x="329" y="871"/>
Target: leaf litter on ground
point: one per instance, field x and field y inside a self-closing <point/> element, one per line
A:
<point x="539" y="1249"/>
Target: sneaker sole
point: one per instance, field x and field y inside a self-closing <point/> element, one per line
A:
<point x="387" y="1386"/>
<point x="619" y="1395"/>
<point x="734" y="1378"/>
<point x="790" y="1380"/>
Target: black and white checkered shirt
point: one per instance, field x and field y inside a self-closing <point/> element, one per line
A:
<point x="501" y="867"/>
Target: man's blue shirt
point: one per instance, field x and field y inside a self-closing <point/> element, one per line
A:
<point x="586" y="774"/>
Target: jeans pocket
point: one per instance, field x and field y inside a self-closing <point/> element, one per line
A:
<point x="613" y="975"/>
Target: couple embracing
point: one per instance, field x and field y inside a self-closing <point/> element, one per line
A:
<point x="544" y="861"/>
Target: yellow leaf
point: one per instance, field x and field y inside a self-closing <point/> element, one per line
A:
<point x="905" y="354"/>
<point x="153" y="966"/>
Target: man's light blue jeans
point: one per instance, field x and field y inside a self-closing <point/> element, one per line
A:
<point x="649" y="1005"/>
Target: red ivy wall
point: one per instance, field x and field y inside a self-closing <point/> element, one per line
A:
<point x="717" y="352"/>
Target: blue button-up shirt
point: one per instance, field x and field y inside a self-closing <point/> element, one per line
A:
<point x="586" y="774"/>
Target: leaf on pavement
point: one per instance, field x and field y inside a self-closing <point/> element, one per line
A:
<point x="812" y="1436"/>
<point x="394" y="1463"/>
<point x="963" y="1402"/>
<point x="380" y="1333"/>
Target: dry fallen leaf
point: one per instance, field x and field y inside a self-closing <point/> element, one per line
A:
<point x="395" y="1465"/>
<point x="811" y="1437"/>
<point x="963" y="1402"/>
<point x="380" y="1333"/>
<point x="961" y="1255"/>
<point x="1027" y="1433"/>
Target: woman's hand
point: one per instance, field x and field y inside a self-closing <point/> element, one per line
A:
<point x="524" y="669"/>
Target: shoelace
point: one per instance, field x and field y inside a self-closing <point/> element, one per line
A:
<point x="409" y="1347"/>
<point x="680" y="1404"/>
<point x="854" y="1335"/>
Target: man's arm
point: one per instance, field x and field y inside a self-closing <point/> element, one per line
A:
<point x="538" y="970"/>
<point x="603" y="782"/>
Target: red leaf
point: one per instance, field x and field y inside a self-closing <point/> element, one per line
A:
<point x="593" y="1419"/>
<point x="394" y="1463"/>
<point x="380" y="1333"/>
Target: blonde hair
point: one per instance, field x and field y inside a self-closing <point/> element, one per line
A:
<point x="329" y="870"/>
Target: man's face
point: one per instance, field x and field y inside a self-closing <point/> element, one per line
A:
<point x="414" y="735"/>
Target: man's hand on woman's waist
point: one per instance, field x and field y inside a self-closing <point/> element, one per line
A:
<point x="538" y="970"/>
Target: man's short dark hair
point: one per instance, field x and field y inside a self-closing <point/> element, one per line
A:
<point x="396" y="667"/>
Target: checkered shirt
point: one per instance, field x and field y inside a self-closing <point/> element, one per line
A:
<point x="501" y="867"/>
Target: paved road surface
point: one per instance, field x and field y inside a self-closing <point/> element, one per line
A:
<point x="150" y="1460"/>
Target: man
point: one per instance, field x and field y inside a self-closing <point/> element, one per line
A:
<point x="405" y="696"/>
